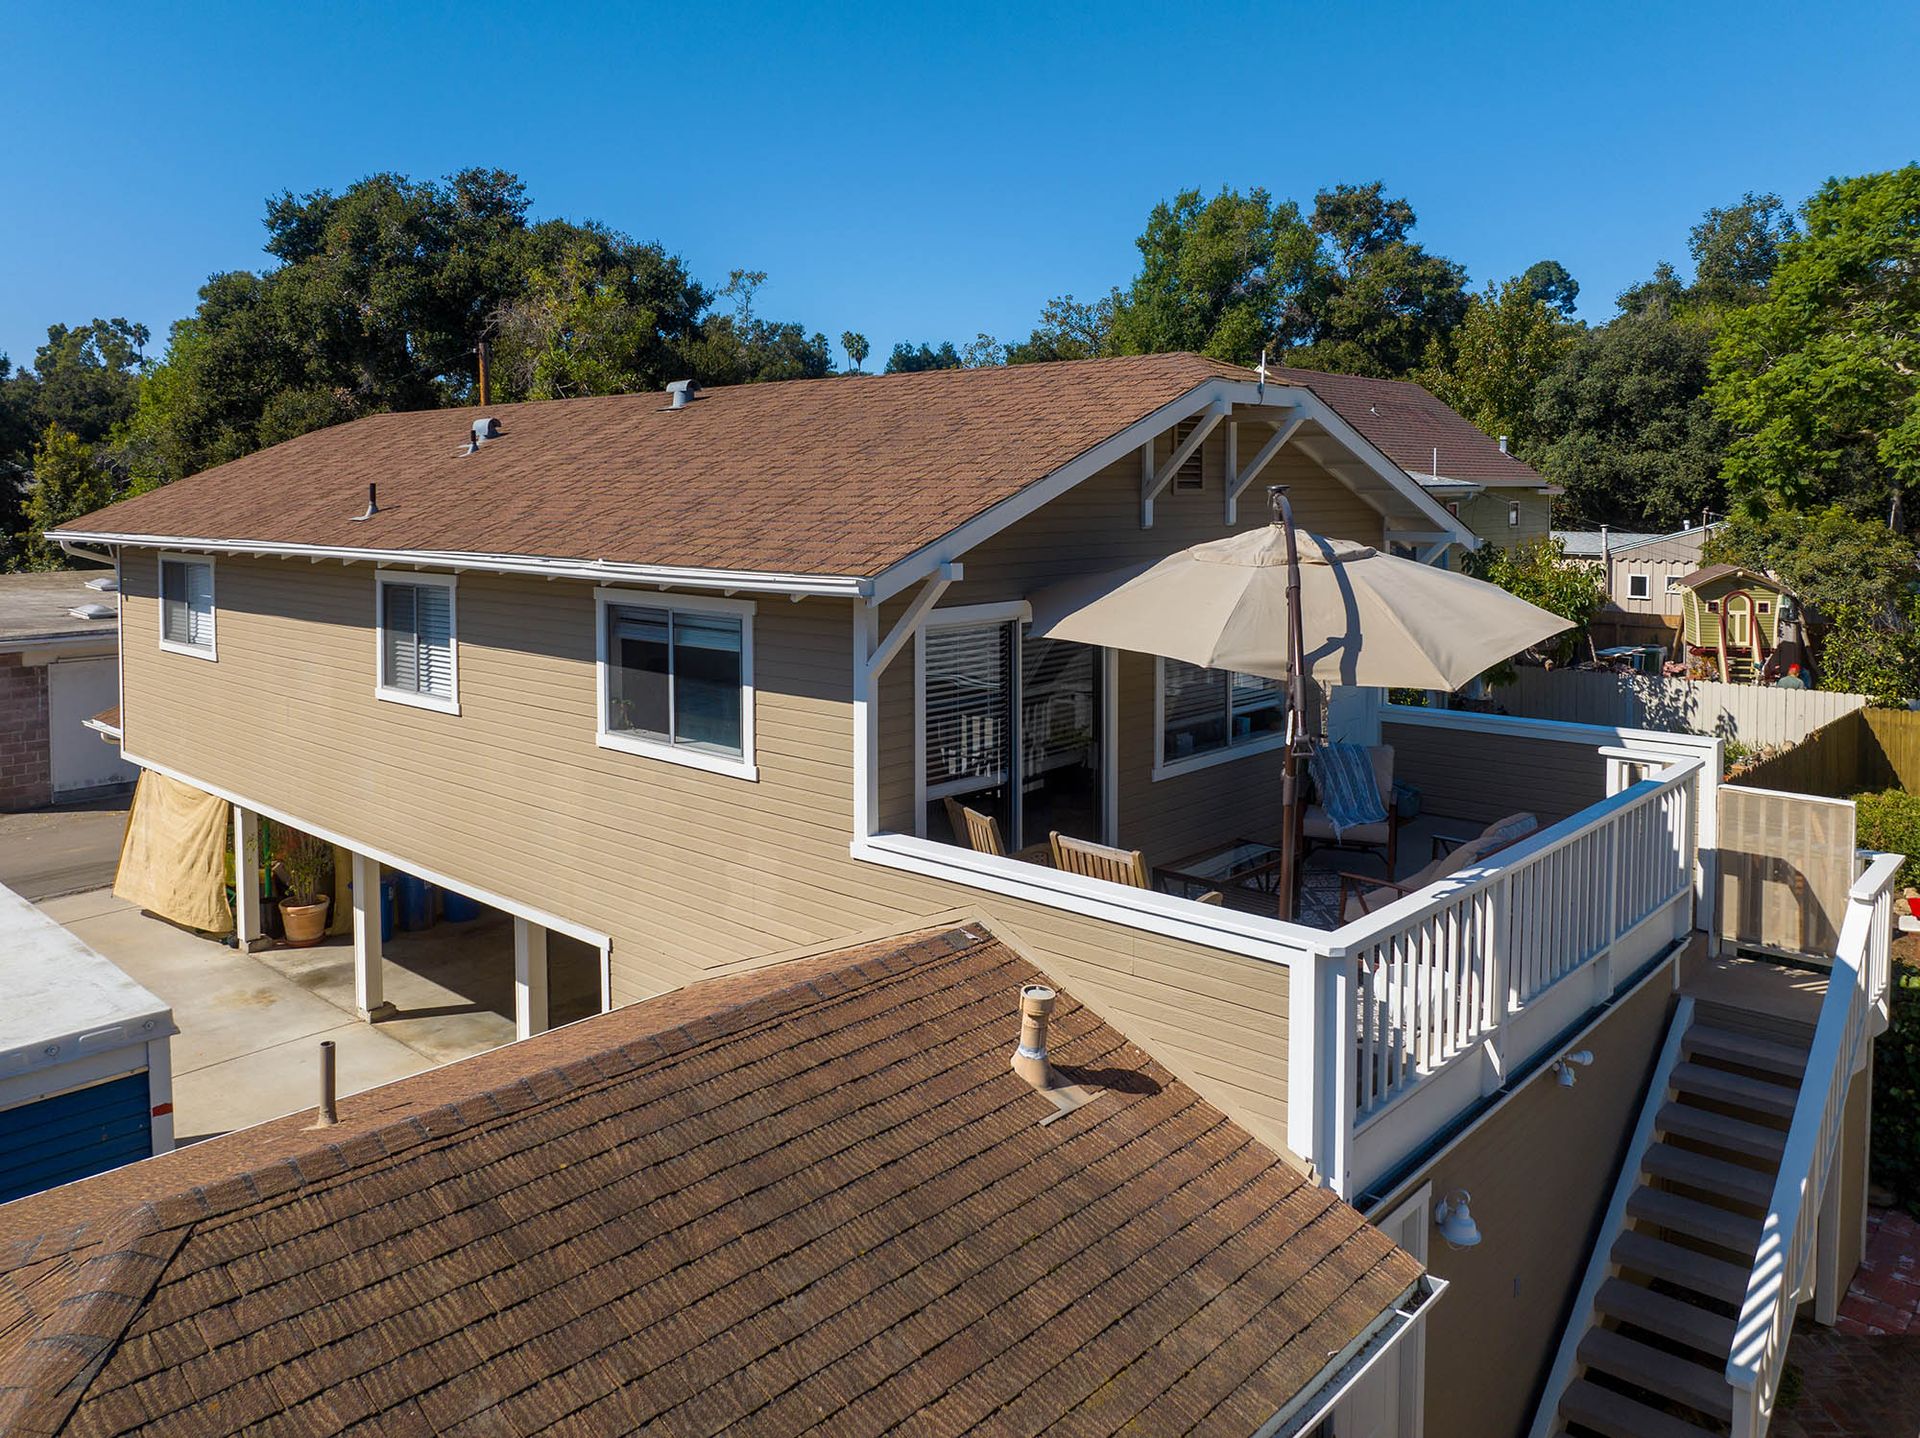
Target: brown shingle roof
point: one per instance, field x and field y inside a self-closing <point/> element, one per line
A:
<point x="813" y="1199"/>
<point x="840" y="476"/>
<point x="1406" y="422"/>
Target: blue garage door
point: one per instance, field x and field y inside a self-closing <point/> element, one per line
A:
<point x="74" y="1134"/>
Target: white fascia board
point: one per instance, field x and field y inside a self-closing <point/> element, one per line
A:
<point x="598" y="570"/>
<point x="1395" y="477"/>
<point x="983" y="526"/>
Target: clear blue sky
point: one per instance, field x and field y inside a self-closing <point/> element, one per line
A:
<point x="921" y="173"/>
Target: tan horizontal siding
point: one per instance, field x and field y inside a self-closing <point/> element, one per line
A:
<point x="1485" y="777"/>
<point x="686" y="871"/>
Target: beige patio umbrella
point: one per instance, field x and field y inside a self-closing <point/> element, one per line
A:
<point x="1362" y="617"/>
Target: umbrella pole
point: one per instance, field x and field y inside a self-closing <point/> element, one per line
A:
<point x="1296" y="707"/>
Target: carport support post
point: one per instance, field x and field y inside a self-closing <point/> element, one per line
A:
<point x="248" y="929"/>
<point x="369" y="995"/>
<point x="529" y="978"/>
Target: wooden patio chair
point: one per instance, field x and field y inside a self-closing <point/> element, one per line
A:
<point x="1098" y="861"/>
<point x="1361" y="894"/>
<point x="982" y="834"/>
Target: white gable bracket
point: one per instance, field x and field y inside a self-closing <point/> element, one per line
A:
<point x="1237" y="483"/>
<point x="909" y="623"/>
<point x="1152" y="480"/>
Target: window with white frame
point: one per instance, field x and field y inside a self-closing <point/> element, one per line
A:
<point x="186" y="606"/>
<point x="1639" y="586"/>
<point x="1208" y="714"/>
<point x="418" y="664"/>
<point x="1673" y="584"/>
<point x="676" y="679"/>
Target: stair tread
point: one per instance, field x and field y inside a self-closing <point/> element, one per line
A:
<point x="1659" y="1371"/>
<point x="1618" y="1416"/>
<point x="1748" y="1049"/>
<point x="1697" y="1220"/>
<point x="1735" y="1134"/>
<point x="1703" y="1273"/>
<point x="1716" y="1175"/>
<point x="1757" y="1094"/>
<point x="1671" y="1317"/>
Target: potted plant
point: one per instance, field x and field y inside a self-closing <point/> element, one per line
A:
<point x="304" y="864"/>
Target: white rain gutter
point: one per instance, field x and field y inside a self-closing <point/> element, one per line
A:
<point x="1352" y="1363"/>
<point x="601" y="571"/>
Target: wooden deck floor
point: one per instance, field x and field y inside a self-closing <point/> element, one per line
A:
<point x="1756" y="986"/>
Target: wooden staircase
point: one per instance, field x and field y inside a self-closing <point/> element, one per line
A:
<point x="1646" y="1354"/>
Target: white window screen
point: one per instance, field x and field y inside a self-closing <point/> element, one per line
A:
<point x="968" y="708"/>
<point x="418" y="649"/>
<point x="1205" y="710"/>
<point x="186" y="603"/>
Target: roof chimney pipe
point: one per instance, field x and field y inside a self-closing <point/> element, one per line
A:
<point x="1503" y="444"/>
<point x="682" y="392"/>
<point x="1030" y="1060"/>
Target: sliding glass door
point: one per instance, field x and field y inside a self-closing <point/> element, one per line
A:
<point x="1013" y="728"/>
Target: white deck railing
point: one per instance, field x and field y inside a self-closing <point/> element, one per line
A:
<point x="1803" y="1215"/>
<point x="1428" y="1004"/>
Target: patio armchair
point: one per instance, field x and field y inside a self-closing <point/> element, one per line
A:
<point x="1098" y="861"/>
<point x="1317" y="831"/>
<point x="1361" y="894"/>
<point x="982" y="833"/>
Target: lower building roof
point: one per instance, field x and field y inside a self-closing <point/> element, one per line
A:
<point x="39" y="608"/>
<point x="810" y="1199"/>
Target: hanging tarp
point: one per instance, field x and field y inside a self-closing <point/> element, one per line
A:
<point x="173" y="860"/>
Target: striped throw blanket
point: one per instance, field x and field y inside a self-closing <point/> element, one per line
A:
<point x="1343" y="773"/>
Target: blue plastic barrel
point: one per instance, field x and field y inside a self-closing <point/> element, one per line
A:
<point x="389" y="905"/>
<point x="416" y="903"/>
<point x="458" y="908"/>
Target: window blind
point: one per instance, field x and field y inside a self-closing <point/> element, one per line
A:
<point x="968" y="707"/>
<point x="186" y="602"/>
<point x="418" y="644"/>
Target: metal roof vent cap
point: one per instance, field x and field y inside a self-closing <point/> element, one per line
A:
<point x="484" y="429"/>
<point x="682" y="392"/>
<point x="1030" y="1058"/>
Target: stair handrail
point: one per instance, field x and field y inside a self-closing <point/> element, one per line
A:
<point x="1813" y="1138"/>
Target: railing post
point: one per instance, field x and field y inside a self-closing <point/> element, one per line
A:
<point x="1320" y="1065"/>
<point x="1499" y="995"/>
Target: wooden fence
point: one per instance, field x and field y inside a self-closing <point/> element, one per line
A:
<point x="1865" y="750"/>
<point x="1755" y="715"/>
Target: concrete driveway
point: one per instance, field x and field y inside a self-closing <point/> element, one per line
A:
<point x="63" y="850"/>
<point x="249" y="1041"/>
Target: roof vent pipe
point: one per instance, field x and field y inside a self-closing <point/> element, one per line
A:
<point x="1030" y="1060"/>
<point x="373" y="506"/>
<point x="682" y="392"/>
<point x="1503" y="444"/>
<point x="329" y="1114"/>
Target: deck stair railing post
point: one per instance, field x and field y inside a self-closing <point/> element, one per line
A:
<point x="1790" y="1237"/>
<point x="1478" y="969"/>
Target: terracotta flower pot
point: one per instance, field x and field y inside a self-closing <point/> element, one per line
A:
<point x="306" y="924"/>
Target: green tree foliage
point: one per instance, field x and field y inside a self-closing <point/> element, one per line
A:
<point x="1549" y="282"/>
<point x="1821" y="379"/>
<point x="1896" y="1092"/>
<point x="1509" y="342"/>
<point x="1068" y="330"/>
<point x="1538" y="573"/>
<point x="1857" y="576"/>
<point x="1622" y="423"/>
<point x="383" y="292"/>
<point x="912" y="359"/>
<point x="856" y="347"/>
<point x="1735" y="249"/>
<point x="1344" y="288"/>
<point x="87" y="379"/>
<point x="599" y="314"/>
<point x="69" y="480"/>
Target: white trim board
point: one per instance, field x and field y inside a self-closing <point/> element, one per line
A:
<point x="383" y="856"/>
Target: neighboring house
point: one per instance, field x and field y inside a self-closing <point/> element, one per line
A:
<point x="86" y="1078"/>
<point x="1735" y="620"/>
<point x="1495" y="494"/>
<point x="814" y="1199"/>
<point x="57" y="669"/>
<point x="693" y="685"/>
<point x="1641" y="572"/>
